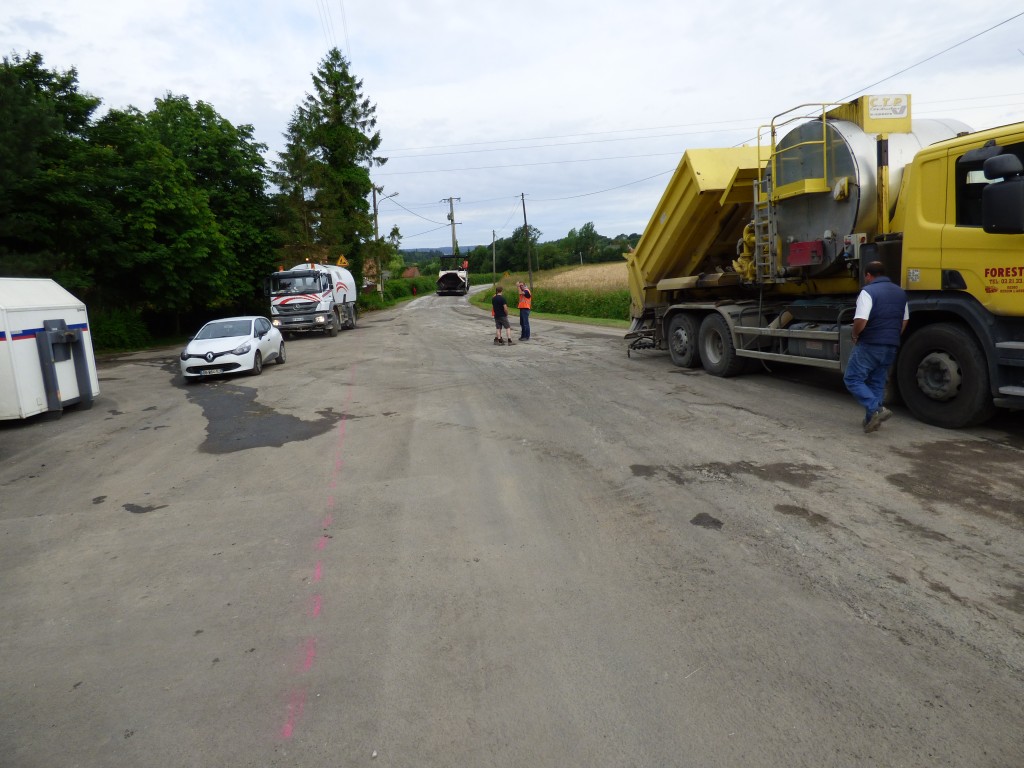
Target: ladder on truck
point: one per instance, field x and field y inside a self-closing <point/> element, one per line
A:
<point x="764" y="231"/>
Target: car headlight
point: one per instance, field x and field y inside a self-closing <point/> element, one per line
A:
<point x="242" y="349"/>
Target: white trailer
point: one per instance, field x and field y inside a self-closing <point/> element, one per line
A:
<point x="46" y="355"/>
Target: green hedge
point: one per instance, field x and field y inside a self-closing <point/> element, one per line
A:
<point x="611" y="305"/>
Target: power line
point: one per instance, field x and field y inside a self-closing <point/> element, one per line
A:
<point x="429" y="221"/>
<point x="648" y="178"/>
<point x="324" y="12"/>
<point x="934" y="55"/>
<point x="344" y="27"/>
<point x="530" y="165"/>
<point x="744" y="121"/>
<point x="602" y="191"/>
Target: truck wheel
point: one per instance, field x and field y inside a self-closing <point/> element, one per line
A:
<point x="353" y="314"/>
<point x="683" y="339"/>
<point x="332" y="329"/>
<point x="943" y="377"/>
<point x="717" y="351"/>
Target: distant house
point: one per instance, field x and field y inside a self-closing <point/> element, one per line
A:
<point x="412" y="271"/>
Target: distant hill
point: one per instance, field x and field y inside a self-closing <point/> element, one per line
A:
<point x="426" y="254"/>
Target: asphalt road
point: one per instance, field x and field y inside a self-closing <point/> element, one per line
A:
<point x="409" y="547"/>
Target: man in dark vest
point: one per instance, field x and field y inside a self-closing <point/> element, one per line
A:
<point x="881" y="317"/>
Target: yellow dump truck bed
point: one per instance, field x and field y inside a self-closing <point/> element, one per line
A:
<point x="697" y="223"/>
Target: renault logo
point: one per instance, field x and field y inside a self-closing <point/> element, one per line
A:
<point x="209" y="357"/>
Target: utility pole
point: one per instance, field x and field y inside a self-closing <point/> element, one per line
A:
<point x="494" y="279"/>
<point x="526" y="234"/>
<point x="451" y="218"/>
<point x="376" y="239"/>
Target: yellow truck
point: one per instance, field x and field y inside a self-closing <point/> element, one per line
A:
<point x="757" y="253"/>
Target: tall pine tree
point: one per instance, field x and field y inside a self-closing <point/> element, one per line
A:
<point x="324" y="171"/>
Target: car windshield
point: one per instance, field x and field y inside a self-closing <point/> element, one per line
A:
<point x="223" y="329"/>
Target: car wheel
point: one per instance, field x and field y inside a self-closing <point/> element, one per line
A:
<point x="280" y="354"/>
<point x="257" y="364"/>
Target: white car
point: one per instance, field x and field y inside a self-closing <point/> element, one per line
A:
<point x="232" y="345"/>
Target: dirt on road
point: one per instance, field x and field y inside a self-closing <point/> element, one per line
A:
<point x="410" y="547"/>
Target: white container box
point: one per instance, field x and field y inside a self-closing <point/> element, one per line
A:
<point x="46" y="355"/>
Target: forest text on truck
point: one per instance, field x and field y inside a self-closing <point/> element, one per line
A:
<point x="312" y="297"/>
<point x="758" y="253"/>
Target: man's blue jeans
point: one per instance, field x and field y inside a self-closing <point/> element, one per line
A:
<point x="866" y="373"/>
<point x="524" y="323"/>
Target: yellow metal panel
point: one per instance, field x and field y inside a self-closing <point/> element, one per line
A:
<point x="695" y="224"/>
<point x="888" y="113"/>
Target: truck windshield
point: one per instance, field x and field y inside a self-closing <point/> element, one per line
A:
<point x="288" y="282"/>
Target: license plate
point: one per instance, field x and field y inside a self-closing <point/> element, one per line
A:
<point x="212" y="371"/>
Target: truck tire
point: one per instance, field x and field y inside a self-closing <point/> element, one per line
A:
<point x="943" y="377"/>
<point x="332" y="329"/>
<point x="683" y="339"/>
<point x="353" y="314"/>
<point x="717" y="352"/>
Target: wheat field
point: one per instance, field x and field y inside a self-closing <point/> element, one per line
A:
<point x="610" y="276"/>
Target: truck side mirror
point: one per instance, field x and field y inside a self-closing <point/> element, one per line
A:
<point x="1002" y="200"/>
<point x="266" y="286"/>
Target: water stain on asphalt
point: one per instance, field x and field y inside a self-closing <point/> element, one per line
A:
<point x="979" y="475"/>
<point x="805" y="514"/>
<point x="647" y="470"/>
<point x="704" y="520"/>
<point x="136" y="509"/>
<point x="235" y="421"/>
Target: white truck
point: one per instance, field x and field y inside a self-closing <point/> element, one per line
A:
<point x="453" y="278"/>
<point x="312" y="297"/>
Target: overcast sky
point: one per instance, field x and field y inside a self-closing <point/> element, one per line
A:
<point x="584" y="107"/>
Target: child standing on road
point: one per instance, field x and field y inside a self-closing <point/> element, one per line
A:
<point x="499" y="308"/>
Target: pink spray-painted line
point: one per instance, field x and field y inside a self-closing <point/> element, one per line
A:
<point x="310" y="654"/>
<point x="315" y="604"/>
<point x="297" y="699"/>
<point x="296" y="703"/>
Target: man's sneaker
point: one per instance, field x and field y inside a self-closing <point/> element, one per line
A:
<point x="510" y="342"/>
<point x="498" y="341"/>
<point x="874" y="422"/>
<point x="884" y="414"/>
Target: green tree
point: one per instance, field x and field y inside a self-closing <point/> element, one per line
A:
<point x="395" y="262"/>
<point x="47" y="201"/>
<point x="587" y="243"/>
<point x="324" y="172"/>
<point x="225" y="165"/>
<point x="166" y="250"/>
<point x="524" y="241"/>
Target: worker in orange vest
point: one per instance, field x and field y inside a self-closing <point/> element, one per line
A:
<point x="525" y="299"/>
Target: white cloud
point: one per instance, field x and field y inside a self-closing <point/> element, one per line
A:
<point x="550" y="89"/>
